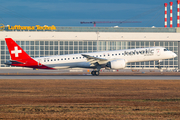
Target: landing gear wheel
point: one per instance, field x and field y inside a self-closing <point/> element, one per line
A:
<point x="95" y="73"/>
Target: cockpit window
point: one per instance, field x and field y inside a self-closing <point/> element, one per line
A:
<point x="166" y="50"/>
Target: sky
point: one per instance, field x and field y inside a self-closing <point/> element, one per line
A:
<point x="72" y="12"/>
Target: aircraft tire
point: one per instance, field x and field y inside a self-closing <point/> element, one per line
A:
<point x="93" y="73"/>
<point x="97" y="73"/>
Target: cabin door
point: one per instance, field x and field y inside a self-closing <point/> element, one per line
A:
<point x="158" y="52"/>
<point x="39" y="62"/>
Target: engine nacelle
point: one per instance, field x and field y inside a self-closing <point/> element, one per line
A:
<point x="116" y="64"/>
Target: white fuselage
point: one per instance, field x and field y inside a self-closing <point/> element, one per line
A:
<point x="129" y="55"/>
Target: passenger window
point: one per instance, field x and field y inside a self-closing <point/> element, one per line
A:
<point x="58" y="59"/>
<point x="44" y="60"/>
<point x="79" y="57"/>
<point x="119" y="54"/>
<point x="64" y="58"/>
<point x="48" y="60"/>
<point x="112" y="54"/>
<point x="51" y="60"/>
<point x="100" y="55"/>
<point x="68" y="58"/>
<point x="73" y="57"/>
<point x="61" y="58"/>
<point x="96" y="55"/>
<point x="116" y="54"/>
<point x="54" y="59"/>
<point x="76" y="57"/>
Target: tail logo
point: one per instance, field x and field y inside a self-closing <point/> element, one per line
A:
<point x="16" y="51"/>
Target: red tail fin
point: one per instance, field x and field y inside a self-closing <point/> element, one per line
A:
<point x="20" y="57"/>
<point x="16" y="52"/>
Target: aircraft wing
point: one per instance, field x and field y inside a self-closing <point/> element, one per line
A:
<point x="95" y="60"/>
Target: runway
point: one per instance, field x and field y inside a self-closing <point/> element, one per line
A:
<point x="84" y="75"/>
<point x="89" y="77"/>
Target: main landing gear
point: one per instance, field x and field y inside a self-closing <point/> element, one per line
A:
<point x="96" y="70"/>
<point x="95" y="73"/>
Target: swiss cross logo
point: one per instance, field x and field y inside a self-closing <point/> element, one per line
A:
<point x="16" y="51"/>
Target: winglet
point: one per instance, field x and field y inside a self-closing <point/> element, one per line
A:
<point x="16" y="52"/>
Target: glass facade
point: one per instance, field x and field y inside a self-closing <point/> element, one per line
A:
<point x="49" y="48"/>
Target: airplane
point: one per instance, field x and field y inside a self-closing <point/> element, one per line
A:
<point x="95" y="60"/>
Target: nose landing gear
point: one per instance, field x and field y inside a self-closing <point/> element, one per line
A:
<point x="159" y="64"/>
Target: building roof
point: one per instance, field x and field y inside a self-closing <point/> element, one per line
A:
<point x="115" y="29"/>
<point x="100" y="29"/>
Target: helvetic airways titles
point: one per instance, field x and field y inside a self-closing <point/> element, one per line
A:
<point x="142" y="52"/>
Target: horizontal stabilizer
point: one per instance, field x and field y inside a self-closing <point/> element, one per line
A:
<point x="9" y="62"/>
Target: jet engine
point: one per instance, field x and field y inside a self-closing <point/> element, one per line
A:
<point x="116" y="64"/>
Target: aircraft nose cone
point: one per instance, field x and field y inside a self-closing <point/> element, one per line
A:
<point x="174" y="55"/>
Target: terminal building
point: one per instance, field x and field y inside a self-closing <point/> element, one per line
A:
<point x="39" y="41"/>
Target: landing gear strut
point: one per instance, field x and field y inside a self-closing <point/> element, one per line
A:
<point x="95" y="73"/>
<point x="159" y="64"/>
